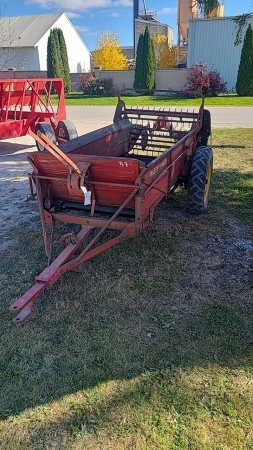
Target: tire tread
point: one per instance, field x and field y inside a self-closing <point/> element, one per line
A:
<point x="203" y="157"/>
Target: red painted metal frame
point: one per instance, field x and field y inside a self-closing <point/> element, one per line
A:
<point x="46" y="279"/>
<point x="119" y="181"/>
<point x="24" y="102"/>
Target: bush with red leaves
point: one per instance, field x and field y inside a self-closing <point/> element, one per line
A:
<point x="202" y="81"/>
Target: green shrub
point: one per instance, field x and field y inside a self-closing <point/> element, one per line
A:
<point x="90" y="85"/>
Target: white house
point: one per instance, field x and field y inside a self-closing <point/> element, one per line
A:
<point x="211" y="41"/>
<point x="25" y="38"/>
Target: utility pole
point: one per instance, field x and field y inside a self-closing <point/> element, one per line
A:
<point x="136" y="15"/>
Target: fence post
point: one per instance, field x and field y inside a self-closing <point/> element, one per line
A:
<point x="97" y="70"/>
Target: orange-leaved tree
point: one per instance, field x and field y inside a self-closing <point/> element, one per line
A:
<point x="108" y="54"/>
<point x="166" y="56"/>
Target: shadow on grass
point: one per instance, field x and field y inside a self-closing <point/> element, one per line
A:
<point x="223" y="146"/>
<point x="78" y="95"/>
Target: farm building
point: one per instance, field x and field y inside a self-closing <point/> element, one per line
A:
<point x="25" y="38"/>
<point x="148" y="18"/>
<point x="154" y="28"/>
<point x="211" y="42"/>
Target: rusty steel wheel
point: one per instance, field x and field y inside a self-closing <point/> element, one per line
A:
<point x="45" y="128"/>
<point x="66" y="130"/>
<point x="200" y="179"/>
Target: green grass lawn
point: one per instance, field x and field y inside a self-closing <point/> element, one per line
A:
<point x="152" y="348"/>
<point x="78" y="99"/>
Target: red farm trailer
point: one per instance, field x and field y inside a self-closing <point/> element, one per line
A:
<point x="26" y="104"/>
<point x="113" y="179"/>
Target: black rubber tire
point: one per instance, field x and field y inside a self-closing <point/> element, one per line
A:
<point x="205" y="131"/>
<point x="66" y="130"/>
<point x="200" y="180"/>
<point x="47" y="129"/>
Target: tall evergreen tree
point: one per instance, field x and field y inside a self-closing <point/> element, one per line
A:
<point x="54" y="66"/>
<point x="145" y="63"/>
<point x="58" y="53"/>
<point x="57" y="58"/>
<point x="149" y="61"/>
<point x="138" y="76"/>
<point x="65" y="61"/>
<point x="244" y="84"/>
<point x="50" y="56"/>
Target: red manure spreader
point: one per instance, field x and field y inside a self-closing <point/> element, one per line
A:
<point x="26" y="104"/>
<point x="113" y="179"/>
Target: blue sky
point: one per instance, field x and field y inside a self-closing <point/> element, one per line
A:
<point x="90" y="17"/>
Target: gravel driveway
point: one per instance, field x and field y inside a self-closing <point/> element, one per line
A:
<point x="14" y="186"/>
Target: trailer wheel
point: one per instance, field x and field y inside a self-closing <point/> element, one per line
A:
<point x="205" y="130"/>
<point x="66" y="130"/>
<point x="200" y="179"/>
<point x="45" y="128"/>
